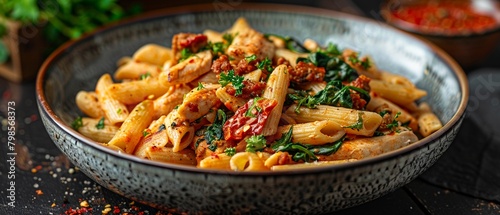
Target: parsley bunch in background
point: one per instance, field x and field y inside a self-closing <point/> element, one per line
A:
<point x="61" y="19"/>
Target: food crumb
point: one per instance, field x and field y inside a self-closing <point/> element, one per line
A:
<point x="71" y="171"/>
<point x="53" y="204"/>
<point x="84" y="204"/>
<point x="39" y="192"/>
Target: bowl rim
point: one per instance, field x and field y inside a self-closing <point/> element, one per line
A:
<point x="198" y="8"/>
<point x="385" y="8"/>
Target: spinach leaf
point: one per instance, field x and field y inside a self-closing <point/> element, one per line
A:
<point x="304" y="152"/>
<point x="214" y="131"/>
<point x="335" y="67"/>
<point x="334" y="94"/>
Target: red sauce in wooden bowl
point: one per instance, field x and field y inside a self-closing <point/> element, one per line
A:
<point x="446" y="17"/>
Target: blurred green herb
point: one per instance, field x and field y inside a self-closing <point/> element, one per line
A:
<point x="61" y="19"/>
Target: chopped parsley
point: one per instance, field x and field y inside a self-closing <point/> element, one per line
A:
<point x="366" y="63"/>
<point x="230" y="151"/>
<point x="359" y="124"/>
<point x="251" y="58"/>
<point x="119" y="111"/>
<point x="229" y="38"/>
<point x="265" y="64"/>
<point x="100" y="124"/>
<point x="146" y="132"/>
<point x="145" y="75"/>
<point x="394" y="122"/>
<point x="77" y="123"/>
<point x="200" y="86"/>
<point x="185" y="54"/>
<point x="235" y="80"/>
<point x="255" y="143"/>
<point x="214" y="131"/>
<point x="383" y="113"/>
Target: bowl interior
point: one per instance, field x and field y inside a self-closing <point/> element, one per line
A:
<point x="78" y="65"/>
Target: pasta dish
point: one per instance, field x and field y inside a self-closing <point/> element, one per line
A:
<point x="242" y="100"/>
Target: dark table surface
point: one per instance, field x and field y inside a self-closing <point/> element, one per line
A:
<point x="47" y="183"/>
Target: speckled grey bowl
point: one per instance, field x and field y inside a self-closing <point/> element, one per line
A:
<point x="78" y="64"/>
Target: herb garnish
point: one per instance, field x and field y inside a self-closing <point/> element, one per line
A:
<point x="251" y="58"/>
<point x="359" y="124"/>
<point x="144" y="76"/>
<point x="200" y="86"/>
<point x="249" y="112"/>
<point x="77" y="123"/>
<point x="265" y="64"/>
<point x="235" y="80"/>
<point x="394" y="122"/>
<point x="100" y="124"/>
<point x="185" y="54"/>
<point x="304" y="152"/>
<point x="334" y="94"/>
<point x="230" y="151"/>
<point x="255" y="143"/>
<point x="330" y="59"/>
<point x="214" y="131"/>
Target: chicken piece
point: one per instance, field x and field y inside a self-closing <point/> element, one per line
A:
<point x="198" y="102"/>
<point x="247" y="42"/>
<point x="187" y="70"/>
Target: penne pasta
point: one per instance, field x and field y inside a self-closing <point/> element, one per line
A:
<point x="179" y="133"/>
<point x="131" y="131"/>
<point x="377" y="103"/>
<point x="428" y="122"/>
<point x="213" y="36"/>
<point x="315" y="133"/>
<point x="399" y="94"/>
<point x="89" y="104"/>
<point x="134" y="70"/>
<point x="276" y="89"/>
<point x="167" y="155"/>
<point x="289" y="55"/>
<point x="153" y="54"/>
<point x="231" y="102"/>
<point x="114" y="110"/>
<point x="367" y="122"/>
<point x="103" y="134"/>
<point x="134" y="92"/>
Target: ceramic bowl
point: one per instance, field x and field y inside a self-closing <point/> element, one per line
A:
<point x="468" y="47"/>
<point x="78" y="64"/>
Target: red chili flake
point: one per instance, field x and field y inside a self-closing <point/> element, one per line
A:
<point x="116" y="210"/>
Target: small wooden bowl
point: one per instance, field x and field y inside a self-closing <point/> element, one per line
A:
<point x="468" y="47"/>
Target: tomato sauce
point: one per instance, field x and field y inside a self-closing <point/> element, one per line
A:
<point x="446" y="17"/>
